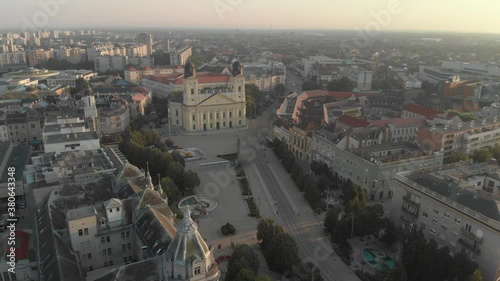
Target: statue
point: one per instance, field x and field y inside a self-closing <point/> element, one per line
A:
<point x="237" y="68"/>
<point x="189" y="70"/>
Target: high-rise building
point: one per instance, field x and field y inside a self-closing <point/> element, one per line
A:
<point x="180" y="57"/>
<point x="147" y="39"/>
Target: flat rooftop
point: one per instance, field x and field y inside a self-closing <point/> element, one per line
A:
<point x="74" y="137"/>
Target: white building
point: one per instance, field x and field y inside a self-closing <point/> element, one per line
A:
<point x="118" y="62"/>
<point x="146" y="39"/>
<point x="12" y="59"/>
<point x="180" y="57"/>
<point x="135" y="74"/>
<point x="69" y="77"/>
<point x="452" y="209"/>
<point x="408" y="82"/>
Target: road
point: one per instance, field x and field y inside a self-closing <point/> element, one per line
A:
<point x="293" y="212"/>
<point x="293" y="81"/>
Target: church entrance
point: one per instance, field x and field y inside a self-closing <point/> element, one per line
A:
<point x="218" y="126"/>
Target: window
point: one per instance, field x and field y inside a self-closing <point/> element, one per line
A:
<point x="124" y="259"/>
<point x="129" y="258"/>
<point x="239" y="113"/>
<point x="240" y="122"/>
<point x="108" y="239"/>
<point x="230" y="114"/>
<point x="433" y="231"/>
<point x="91" y="268"/>
<point x="104" y="252"/>
<point x="110" y="210"/>
<point x="128" y="234"/>
<point x="109" y="251"/>
<point x="192" y="91"/>
<point x="468" y="227"/>
<point x="197" y="270"/>
<point x="117" y="209"/>
<point x="194" y="127"/>
<point x="223" y="115"/>
<point x="177" y="113"/>
<point x="425" y="215"/>
<point x="82" y="245"/>
<point x="87" y="244"/>
<point x="129" y="246"/>
<point x="436" y="211"/>
<point x="89" y="256"/>
<point x="123" y="235"/>
<point x="194" y="117"/>
<point x="447" y="215"/>
<point x="204" y="117"/>
<point x="110" y="263"/>
<point x="80" y="232"/>
<point x="457" y="220"/>
<point x="124" y="248"/>
<point x="435" y="221"/>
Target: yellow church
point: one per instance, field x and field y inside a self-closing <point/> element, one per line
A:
<point x="210" y="101"/>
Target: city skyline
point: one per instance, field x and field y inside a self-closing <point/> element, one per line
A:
<point x="388" y="15"/>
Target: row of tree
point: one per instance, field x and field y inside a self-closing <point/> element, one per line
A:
<point x="311" y="187"/>
<point x="144" y="146"/>
<point x="478" y="156"/>
<point x="244" y="265"/>
<point x="282" y="254"/>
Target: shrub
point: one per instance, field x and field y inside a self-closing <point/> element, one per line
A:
<point x="254" y="211"/>
<point x="245" y="187"/>
<point x="227" y="229"/>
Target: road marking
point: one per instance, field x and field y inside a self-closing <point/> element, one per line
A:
<point x="270" y="199"/>
<point x="288" y="198"/>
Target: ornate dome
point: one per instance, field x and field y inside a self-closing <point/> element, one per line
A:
<point x="237" y="68"/>
<point x="188" y="245"/>
<point x="189" y="70"/>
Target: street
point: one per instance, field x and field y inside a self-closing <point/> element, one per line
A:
<point x="292" y="210"/>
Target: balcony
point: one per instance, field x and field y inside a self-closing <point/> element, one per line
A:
<point x="470" y="245"/>
<point x="408" y="209"/>
<point x="407" y="199"/>
<point x="469" y="235"/>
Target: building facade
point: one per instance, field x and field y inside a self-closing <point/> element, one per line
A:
<point x="180" y="57"/>
<point x="452" y="212"/>
<point x="210" y="103"/>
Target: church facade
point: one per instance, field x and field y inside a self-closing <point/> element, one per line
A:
<point x="209" y="101"/>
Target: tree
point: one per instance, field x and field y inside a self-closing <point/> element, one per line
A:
<point x="178" y="158"/>
<point x="476" y="275"/>
<point x="170" y="189"/>
<point x="227" y="229"/>
<point x="280" y="89"/>
<point x="482" y="155"/>
<point x="191" y="180"/>
<point x="310" y="85"/>
<point x="390" y="234"/>
<point x="196" y="59"/>
<point x="341" y="85"/>
<point x="282" y="253"/>
<point x="305" y="271"/>
<point x="266" y="230"/>
<point x="250" y="104"/>
<point x="331" y="219"/>
<point x="457" y="156"/>
<point x="169" y="142"/>
<point x="243" y="257"/>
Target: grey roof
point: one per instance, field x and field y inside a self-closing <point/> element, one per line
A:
<point x="471" y="200"/>
<point x="56" y="261"/>
<point x="112" y="203"/>
<point x="82" y="212"/>
<point x="17" y="159"/>
<point x="71" y="137"/>
<point x="146" y="270"/>
<point x="4" y="147"/>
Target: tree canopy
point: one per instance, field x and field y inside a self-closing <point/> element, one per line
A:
<point x="341" y="85"/>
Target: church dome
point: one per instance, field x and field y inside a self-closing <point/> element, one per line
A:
<point x="187" y="245"/>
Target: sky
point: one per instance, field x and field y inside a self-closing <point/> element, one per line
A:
<point x="429" y="15"/>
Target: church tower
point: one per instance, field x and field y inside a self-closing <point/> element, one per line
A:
<point x="149" y="180"/>
<point x="191" y="89"/>
<point x="238" y="82"/>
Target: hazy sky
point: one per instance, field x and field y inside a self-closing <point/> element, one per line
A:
<point x="439" y="15"/>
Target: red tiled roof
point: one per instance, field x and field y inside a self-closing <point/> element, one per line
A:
<point x="138" y="97"/>
<point x="353" y="122"/>
<point x="148" y="68"/>
<point x="22" y="245"/>
<point x="213" y="79"/>
<point x="421" y="110"/>
<point x="131" y="69"/>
